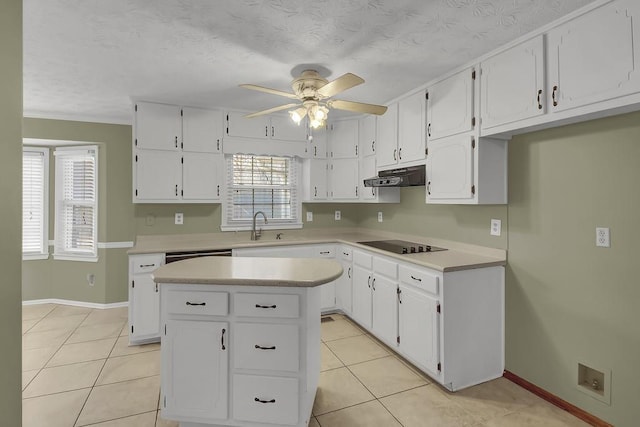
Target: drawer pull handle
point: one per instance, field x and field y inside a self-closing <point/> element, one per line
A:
<point x="259" y="347"/>
<point x="222" y="339"/>
<point x="324" y="252"/>
<point x="416" y="278"/>
<point x="147" y="265"/>
<point x="264" y="401"/>
<point x="197" y="303"/>
<point x="265" y="306"/>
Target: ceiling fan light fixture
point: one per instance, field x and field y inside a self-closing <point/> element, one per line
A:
<point x="298" y="114"/>
<point x="315" y="124"/>
<point x="319" y="112"/>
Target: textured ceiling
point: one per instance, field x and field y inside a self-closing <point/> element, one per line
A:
<point x="90" y="58"/>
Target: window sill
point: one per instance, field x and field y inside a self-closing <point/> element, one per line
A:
<point x="34" y="257"/>
<point x="248" y="227"/>
<point x="75" y="258"/>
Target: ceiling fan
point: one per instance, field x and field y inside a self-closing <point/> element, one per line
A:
<point x="313" y="93"/>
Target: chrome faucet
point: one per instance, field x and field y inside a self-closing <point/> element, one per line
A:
<point x="255" y="235"/>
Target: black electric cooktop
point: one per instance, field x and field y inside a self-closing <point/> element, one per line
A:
<point x="402" y="246"/>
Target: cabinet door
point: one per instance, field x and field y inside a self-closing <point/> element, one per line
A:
<point x="158" y="126"/>
<point x="419" y="328"/>
<point x="362" y="296"/>
<point x="195" y="361"/>
<point x="319" y="143"/>
<point x="512" y="84"/>
<point x="201" y="130"/>
<point x="328" y="296"/>
<point x="595" y="57"/>
<point x="343" y="139"/>
<point x="411" y="128"/>
<point x="367" y="136"/>
<point x="367" y="169"/>
<point x="239" y="126"/>
<point x="344" y="287"/>
<point x="202" y="176"/>
<point x="387" y="141"/>
<point x="385" y="309"/>
<point x="158" y="175"/>
<point x="450" y="168"/>
<point x="318" y="179"/>
<point x="343" y="178"/>
<point x="145" y="307"/>
<point x="283" y="128"/>
<point x="450" y="106"/>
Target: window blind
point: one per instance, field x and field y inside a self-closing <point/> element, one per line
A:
<point x="76" y="202"/>
<point x="34" y="201"/>
<point x="261" y="183"/>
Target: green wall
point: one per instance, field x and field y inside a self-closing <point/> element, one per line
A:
<point x="568" y="301"/>
<point x="68" y="279"/>
<point x="11" y="212"/>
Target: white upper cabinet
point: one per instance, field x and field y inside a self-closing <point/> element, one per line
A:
<point x="264" y="127"/>
<point x="201" y="130"/>
<point x="343" y="178"/>
<point x="387" y="140"/>
<point x="157" y="126"/>
<point x="315" y="179"/>
<point x="367" y="135"/>
<point x="411" y="128"/>
<point x="343" y="139"/>
<point x="158" y="176"/>
<point x="318" y="144"/>
<point x="450" y="105"/>
<point x="595" y="57"/>
<point x="202" y="176"/>
<point x="512" y="85"/>
<point x="450" y="168"/>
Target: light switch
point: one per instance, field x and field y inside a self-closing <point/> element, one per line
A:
<point x="309" y="216"/>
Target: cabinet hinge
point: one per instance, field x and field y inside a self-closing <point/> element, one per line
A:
<point x="356" y="150"/>
<point x="136" y="142"/>
<point x="135" y="107"/>
<point x="473" y="122"/>
<point x="133" y="284"/>
<point x="181" y="113"/>
<point x="426" y="151"/>
<point x="439" y="367"/>
<point x="136" y="191"/>
<point x="131" y="328"/>
<point x="438" y="308"/>
<point x="473" y="143"/>
<point x="473" y="75"/>
<point x="182" y="145"/>
<point x="182" y="193"/>
<point x="398" y="339"/>
<point x="165" y="401"/>
<point x="473" y="189"/>
<point x="165" y="329"/>
<point x="182" y="160"/>
<point x="426" y="95"/>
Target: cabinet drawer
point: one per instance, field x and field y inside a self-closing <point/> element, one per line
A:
<point x="198" y="302"/>
<point x="420" y="278"/>
<point x="266" y="305"/>
<point x="146" y="263"/>
<point x="265" y="399"/>
<point x="363" y="259"/>
<point x="346" y="253"/>
<point x="260" y="346"/>
<point x="322" y="252"/>
<point x="385" y="267"/>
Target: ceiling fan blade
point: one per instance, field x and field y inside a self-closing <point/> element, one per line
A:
<point x="340" y="84"/>
<point x="270" y="110"/>
<point x="358" y="107"/>
<point x="271" y="91"/>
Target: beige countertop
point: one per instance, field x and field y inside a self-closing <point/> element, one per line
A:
<point x="240" y="271"/>
<point x="459" y="256"/>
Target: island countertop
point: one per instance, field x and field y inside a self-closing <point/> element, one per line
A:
<point x="289" y="272"/>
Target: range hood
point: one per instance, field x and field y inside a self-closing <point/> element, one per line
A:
<point x="401" y="177"/>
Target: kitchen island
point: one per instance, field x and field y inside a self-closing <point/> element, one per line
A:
<point x="241" y="339"/>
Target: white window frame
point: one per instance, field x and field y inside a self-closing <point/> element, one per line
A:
<point x="60" y="252"/>
<point x="44" y="252"/>
<point x="229" y="224"/>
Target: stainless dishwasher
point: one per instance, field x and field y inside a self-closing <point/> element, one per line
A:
<point x="179" y="256"/>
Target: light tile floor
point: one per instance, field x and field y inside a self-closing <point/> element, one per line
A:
<point x="78" y="370"/>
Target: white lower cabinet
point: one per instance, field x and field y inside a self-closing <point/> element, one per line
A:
<point x="144" y="298"/>
<point x="195" y="361"/>
<point x="384" y="309"/>
<point x="343" y="285"/>
<point x="239" y="355"/>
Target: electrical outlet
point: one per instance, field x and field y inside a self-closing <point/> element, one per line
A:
<point x="309" y="216"/>
<point x="602" y="237"/>
<point x="91" y="279"/>
<point x="379" y="216"/>
<point x="179" y="219"/>
<point x="338" y="216"/>
<point x="150" y="220"/>
<point x="496" y="227"/>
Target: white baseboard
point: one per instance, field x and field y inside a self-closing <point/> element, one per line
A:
<point x="76" y="303"/>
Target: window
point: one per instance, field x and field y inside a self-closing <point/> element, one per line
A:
<point x="35" y="191"/>
<point x="76" y="232"/>
<point x="261" y="183"/>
